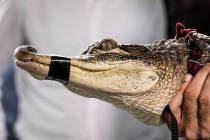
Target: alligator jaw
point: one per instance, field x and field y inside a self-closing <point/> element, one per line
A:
<point x="28" y="59"/>
<point x="51" y="67"/>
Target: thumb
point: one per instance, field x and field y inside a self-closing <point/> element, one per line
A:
<point x="176" y="102"/>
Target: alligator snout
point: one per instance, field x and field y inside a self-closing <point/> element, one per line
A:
<point x="27" y="58"/>
<point x="25" y="52"/>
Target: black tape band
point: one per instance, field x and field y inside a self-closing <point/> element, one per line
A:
<point x="59" y="69"/>
<point x="174" y="124"/>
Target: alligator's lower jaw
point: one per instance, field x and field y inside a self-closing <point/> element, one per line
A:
<point x="37" y="70"/>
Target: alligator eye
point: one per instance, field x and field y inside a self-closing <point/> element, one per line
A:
<point x="101" y="47"/>
<point x="108" y="44"/>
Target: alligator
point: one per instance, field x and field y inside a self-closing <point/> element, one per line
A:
<point x="140" y="79"/>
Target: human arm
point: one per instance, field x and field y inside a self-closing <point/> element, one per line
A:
<point x="10" y="37"/>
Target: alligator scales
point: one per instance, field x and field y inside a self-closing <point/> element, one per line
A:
<point x="141" y="79"/>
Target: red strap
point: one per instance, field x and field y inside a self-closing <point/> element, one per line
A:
<point x="193" y="66"/>
<point x="181" y="31"/>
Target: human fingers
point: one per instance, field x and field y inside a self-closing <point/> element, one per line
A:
<point x="190" y="105"/>
<point x="176" y="102"/>
<point x="204" y="110"/>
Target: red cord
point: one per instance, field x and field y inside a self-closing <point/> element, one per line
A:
<point x="181" y="31"/>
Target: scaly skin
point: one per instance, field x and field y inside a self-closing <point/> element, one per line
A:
<point x="141" y="79"/>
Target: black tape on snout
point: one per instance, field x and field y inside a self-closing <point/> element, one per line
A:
<point x="59" y="69"/>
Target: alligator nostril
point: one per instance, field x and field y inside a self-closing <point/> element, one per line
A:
<point x="24" y="52"/>
<point x="31" y="49"/>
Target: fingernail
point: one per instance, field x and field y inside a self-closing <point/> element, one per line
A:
<point x="188" y="77"/>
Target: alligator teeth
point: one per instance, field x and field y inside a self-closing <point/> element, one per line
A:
<point x="25" y="60"/>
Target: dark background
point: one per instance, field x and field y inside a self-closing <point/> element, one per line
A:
<point x="192" y="13"/>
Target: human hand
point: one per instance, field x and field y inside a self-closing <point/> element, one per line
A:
<point x="191" y="106"/>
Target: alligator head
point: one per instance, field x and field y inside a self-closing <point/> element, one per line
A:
<point x="141" y="79"/>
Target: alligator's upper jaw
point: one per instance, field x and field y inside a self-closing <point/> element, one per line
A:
<point x="52" y="67"/>
<point x="28" y="59"/>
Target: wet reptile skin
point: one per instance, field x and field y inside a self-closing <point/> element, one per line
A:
<point x="141" y="79"/>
